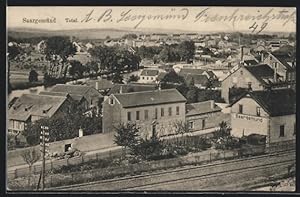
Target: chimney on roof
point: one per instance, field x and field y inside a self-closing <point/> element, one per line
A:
<point x="275" y="72"/>
<point x="121" y="89"/>
<point x="242" y="53"/>
<point x="212" y="104"/>
<point x="97" y="85"/>
<point x="80" y="134"/>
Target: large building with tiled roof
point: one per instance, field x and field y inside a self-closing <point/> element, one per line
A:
<point x="153" y="111"/>
<point x="255" y="77"/>
<point x="271" y="113"/>
<point x="30" y="107"/>
<point x="93" y="97"/>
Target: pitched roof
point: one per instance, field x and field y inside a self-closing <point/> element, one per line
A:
<point x="155" y="97"/>
<point x="38" y="105"/>
<point x="275" y="102"/>
<point x="184" y="71"/>
<point x="251" y="62"/>
<point x="262" y="72"/>
<point x="147" y="72"/>
<point x="211" y="74"/>
<point x="75" y="97"/>
<point x="73" y="89"/>
<point x="284" y="59"/>
<point x="201" y="108"/>
<point x="126" y="88"/>
<point x="161" y="76"/>
<point x="198" y="79"/>
<point x="103" y="84"/>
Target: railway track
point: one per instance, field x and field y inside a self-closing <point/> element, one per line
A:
<point x="189" y="173"/>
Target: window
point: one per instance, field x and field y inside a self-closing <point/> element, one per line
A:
<point x="147" y="78"/>
<point x="203" y="123"/>
<point x="281" y="132"/>
<point x="240" y="109"/>
<point x="146" y="114"/>
<point x="241" y="72"/>
<point x="249" y="85"/>
<point x="151" y="78"/>
<point x="129" y="116"/>
<point x="67" y="147"/>
<point x="155" y="113"/>
<point x="177" y="110"/>
<point x="170" y="111"/>
<point x="162" y="112"/>
<point x="143" y="77"/>
<point x="258" y="111"/>
<point x="137" y="115"/>
<point x="191" y="125"/>
<point x="111" y="101"/>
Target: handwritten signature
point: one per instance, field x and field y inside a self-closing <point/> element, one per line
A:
<point x="206" y="15"/>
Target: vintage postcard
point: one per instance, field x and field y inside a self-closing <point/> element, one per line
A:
<point x="120" y="98"/>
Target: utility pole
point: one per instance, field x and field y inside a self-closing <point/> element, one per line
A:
<point x="44" y="137"/>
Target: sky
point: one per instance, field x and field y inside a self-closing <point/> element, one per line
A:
<point x="255" y="19"/>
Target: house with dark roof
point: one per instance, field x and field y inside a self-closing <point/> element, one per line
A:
<point x="271" y="113"/>
<point x="202" y="115"/>
<point x="153" y="111"/>
<point x="30" y="107"/>
<point x="209" y="74"/>
<point x="93" y="97"/>
<point x="79" y="100"/>
<point x="148" y="76"/>
<point x="199" y="81"/>
<point x="257" y="77"/>
<point x="284" y="64"/>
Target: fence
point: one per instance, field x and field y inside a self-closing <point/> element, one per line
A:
<point x="56" y="180"/>
<point x="56" y="164"/>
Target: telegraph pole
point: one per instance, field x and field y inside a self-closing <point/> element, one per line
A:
<point x="44" y="138"/>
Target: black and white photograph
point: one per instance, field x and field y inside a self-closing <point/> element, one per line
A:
<point x="151" y="98"/>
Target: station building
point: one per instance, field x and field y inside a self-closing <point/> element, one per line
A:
<point x="271" y="113"/>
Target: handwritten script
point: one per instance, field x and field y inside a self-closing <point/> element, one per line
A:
<point x="256" y="20"/>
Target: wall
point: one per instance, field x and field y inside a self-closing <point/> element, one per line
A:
<point x="288" y="122"/>
<point x="280" y="68"/>
<point x="147" y="79"/>
<point x="211" y="120"/>
<point x="84" y="144"/>
<point x="242" y="80"/>
<point x="165" y="124"/>
<point x="111" y="114"/>
<point x="248" y="122"/>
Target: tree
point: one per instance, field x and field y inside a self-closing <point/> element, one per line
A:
<point x="181" y="127"/>
<point x="33" y="76"/>
<point x="192" y="95"/>
<point x="30" y="156"/>
<point x="133" y="78"/>
<point x="126" y="135"/>
<point x="117" y="78"/>
<point x="187" y="50"/>
<point x="173" y="78"/>
<point x="223" y="139"/>
<point x="58" y="47"/>
<point x="148" y="149"/>
<point x="76" y="69"/>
